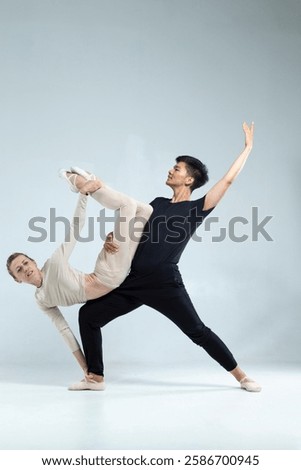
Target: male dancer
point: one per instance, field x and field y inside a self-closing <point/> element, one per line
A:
<point x="155" y="280"/>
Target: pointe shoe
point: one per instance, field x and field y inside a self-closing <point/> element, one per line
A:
<point x="85" y="174"/>
<point x="250" y="385"/>
<point x="87" y="385"/>
<point x="63" y="174"/>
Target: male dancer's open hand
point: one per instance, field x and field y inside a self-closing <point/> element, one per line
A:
<point x="109" y="245"/>
<point x="249" y="133"/>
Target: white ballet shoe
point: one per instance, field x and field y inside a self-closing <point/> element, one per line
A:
<point x="87" y="385"/>
<point x="250" y="385"/>
<point x="85" y="174"/>
<point x="63" y="174"/>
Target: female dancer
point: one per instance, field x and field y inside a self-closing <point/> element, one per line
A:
<point x="58" y="283"/>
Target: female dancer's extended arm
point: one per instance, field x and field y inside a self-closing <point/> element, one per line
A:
<point x="61" y="255"/>
<point x="75" y="227"/>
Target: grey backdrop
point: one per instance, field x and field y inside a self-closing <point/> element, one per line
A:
<point x="121" y="88"/>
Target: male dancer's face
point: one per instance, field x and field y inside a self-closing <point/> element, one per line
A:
<point x="178" y="176"/>
<point x="25" y="270"/>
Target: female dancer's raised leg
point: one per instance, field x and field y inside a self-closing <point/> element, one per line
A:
<point x="131" y="216"/>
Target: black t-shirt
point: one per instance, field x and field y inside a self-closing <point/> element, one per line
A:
<point x="167" y="232"/>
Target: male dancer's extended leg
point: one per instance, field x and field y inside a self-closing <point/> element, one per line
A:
<point x="173" y="301"/>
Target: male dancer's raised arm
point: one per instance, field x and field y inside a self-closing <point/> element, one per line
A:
<point x="215" y="194"/>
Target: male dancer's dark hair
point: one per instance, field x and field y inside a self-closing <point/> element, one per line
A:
<point x="196" y="169"/>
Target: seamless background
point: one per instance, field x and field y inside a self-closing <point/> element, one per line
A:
<point x="121" y="88"/>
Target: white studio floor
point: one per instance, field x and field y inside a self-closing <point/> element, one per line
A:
<point x="180" y="408"/>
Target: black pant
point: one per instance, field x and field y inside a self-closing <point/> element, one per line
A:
<point x="162" y="290"/>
